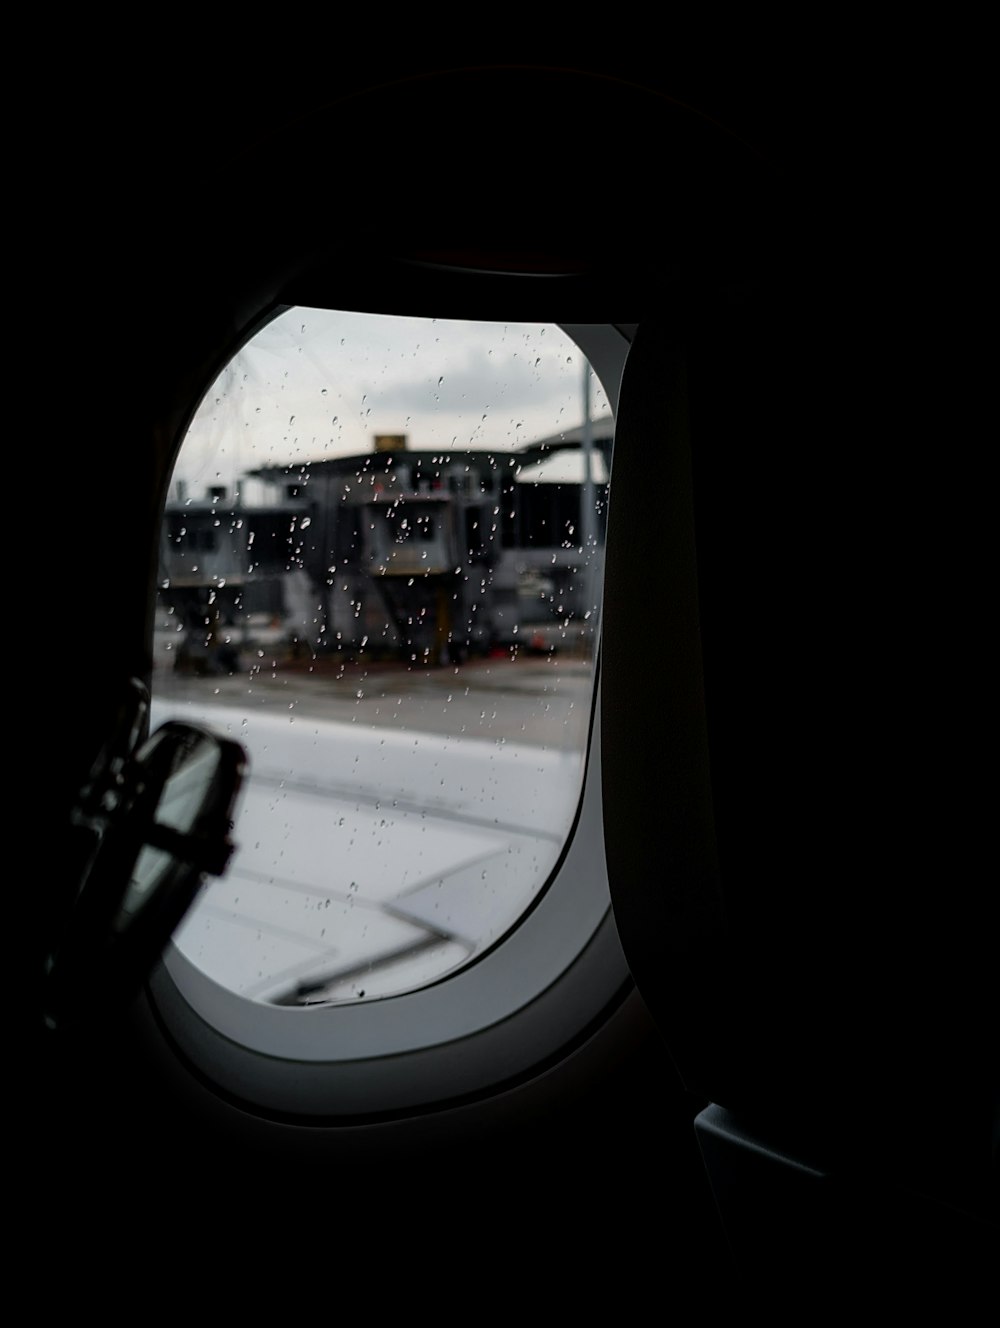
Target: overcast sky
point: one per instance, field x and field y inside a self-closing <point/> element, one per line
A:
<point x="316" y="383"/>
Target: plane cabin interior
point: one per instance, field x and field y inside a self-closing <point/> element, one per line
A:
<point x="729" y="1039"/>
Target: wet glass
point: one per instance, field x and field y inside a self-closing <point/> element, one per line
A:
<point x="381" y="563"/>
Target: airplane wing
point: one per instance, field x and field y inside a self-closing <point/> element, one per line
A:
<point x="371" y="861"/>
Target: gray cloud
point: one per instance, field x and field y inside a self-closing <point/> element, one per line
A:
<point x="316" y="383"/>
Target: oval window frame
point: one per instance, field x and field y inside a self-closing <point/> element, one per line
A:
<point x="534" y="995"/>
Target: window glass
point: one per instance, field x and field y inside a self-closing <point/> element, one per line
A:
<point x="380" y="570"/>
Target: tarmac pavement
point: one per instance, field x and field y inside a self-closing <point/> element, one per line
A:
<point x="541" y="698"/>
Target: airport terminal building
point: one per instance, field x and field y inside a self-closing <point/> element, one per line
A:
<point x="425" y="556"/>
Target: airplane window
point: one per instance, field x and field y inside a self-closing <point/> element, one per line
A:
<point x="380" y="570"/>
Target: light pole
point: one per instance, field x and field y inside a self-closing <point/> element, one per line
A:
<point x="588" y="510"/>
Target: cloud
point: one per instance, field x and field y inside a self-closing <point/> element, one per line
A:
<point x="317" y="383"/>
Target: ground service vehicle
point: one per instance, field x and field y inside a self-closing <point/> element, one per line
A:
<point x="741" y="1046"/>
